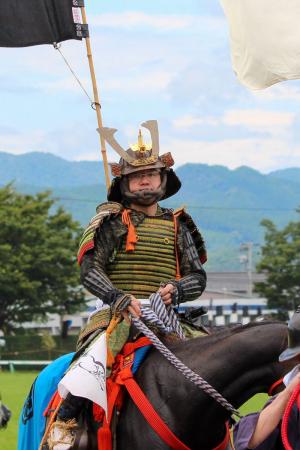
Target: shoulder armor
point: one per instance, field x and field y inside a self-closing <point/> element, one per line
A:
<point x="186" y="219"/>
<point x="103" y="210"/>
<point x="109" y="207"/>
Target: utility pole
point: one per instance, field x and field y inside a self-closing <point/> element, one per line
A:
<point x="247" y="260"/>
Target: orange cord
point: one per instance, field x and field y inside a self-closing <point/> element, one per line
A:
<point x="131" y="235"/>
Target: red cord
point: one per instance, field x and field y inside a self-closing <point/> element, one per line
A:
<point x="285" y="419"/>
<point x="274" y="386"/>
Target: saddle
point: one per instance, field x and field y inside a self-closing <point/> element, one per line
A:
<point x="92" y="421"/>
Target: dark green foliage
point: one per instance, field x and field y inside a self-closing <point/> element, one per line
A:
<point x="30" y="347"/>
<point x="38" y="269"/>
<point x="281" y="263"/>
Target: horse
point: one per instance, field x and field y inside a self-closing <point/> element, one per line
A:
<point x="239" y="362"/>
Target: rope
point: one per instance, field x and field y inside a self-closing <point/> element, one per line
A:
<point x="285" y="419"/>
<point x="57" y="47"/>
<point x="186" y="371"/>
<point x="162" y="317"/>
<point x="63" y="430"/>
<point x="49" y="425"/>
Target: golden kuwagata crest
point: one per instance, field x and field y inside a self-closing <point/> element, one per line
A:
<point x="138" y="155"/>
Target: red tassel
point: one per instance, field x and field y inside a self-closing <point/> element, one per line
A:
<point x="131" y="235"/>
<point x="98" y="413"/>
<point x="104" y="437"/>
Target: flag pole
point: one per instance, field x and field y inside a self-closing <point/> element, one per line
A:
<point x="96" y="100"/>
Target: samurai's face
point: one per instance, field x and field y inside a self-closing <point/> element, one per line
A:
<point x="144" y="187"/>
<point x="149" y="180"/>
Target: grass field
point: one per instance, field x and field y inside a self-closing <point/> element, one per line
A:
<point x="15" y="387"/>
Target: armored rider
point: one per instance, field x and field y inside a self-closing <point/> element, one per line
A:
<point x="133" y="248"/>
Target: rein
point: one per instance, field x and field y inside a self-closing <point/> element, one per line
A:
<point x="284" y="424"/>
<point x="274" y="386"/>
<point x="154" y="419"/>
<point x="122" y="376"/>
<point x="186" y="371"/>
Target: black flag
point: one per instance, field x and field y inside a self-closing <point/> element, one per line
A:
<point x="33" y="22"/>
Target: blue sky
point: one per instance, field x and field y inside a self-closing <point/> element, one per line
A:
<point x="163" y="60"/>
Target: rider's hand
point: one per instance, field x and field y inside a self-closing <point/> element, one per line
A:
<point x="166" y="293"/>
<point x="134" y="308"/>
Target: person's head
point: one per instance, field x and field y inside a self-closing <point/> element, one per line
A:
<point x="141" y="177"/>
<point x="293" y="349"/>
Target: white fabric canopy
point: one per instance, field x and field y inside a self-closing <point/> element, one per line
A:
<point x="265" y="40"/>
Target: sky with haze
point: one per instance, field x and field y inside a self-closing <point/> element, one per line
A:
<point x="164" y="60"/>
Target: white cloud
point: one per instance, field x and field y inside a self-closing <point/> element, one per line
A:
<point x="65" y="85"/>
<point x="271" y="122"/>
<point x="164" y="22"/>
<point x="22" y="142"/>
<point x="280" y="91"/>
<point x="264" y="155"/>
<point x="189" y="121"/>
<point x="274" y="123"/>
<point x="153" y="82"/>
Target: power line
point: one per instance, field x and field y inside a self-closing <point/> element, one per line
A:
<point x="224" y="208"/>
<point x="232" y="208"/>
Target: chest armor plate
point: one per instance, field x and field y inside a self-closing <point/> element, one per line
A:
<point x="153" y="261"/>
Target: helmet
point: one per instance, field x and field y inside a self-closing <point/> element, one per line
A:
<point x="293" y="348"/>
<point x="140" y="157"/>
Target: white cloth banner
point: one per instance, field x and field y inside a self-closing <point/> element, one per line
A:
<point x="265" y="40"/>
<point x="87" y="376"/>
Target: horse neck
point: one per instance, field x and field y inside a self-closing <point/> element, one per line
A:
<point x="240" y="362"/>
<point x="237" y="363"/>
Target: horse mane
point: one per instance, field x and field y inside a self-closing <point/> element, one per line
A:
<point x="220" y="335"/>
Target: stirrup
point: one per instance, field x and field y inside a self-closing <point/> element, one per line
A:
<point x="62" y="435"/>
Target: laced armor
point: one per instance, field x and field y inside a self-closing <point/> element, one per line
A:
<point x="151" y="263"/>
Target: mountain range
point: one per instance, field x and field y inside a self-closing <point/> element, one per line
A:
<point x="227" y="205"/>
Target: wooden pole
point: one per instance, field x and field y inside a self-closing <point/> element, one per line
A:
<point x="96" y="100"/>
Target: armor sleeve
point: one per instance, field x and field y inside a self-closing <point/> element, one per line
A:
<point x="193" y="281"/>
<point x="92" y="269"/>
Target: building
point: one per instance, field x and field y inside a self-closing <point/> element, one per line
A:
<point x="228" y="299"/>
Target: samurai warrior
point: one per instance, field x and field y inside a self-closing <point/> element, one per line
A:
<point x="133" y="247"/>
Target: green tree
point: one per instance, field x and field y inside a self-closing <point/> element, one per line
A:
<point x="38" y="269"/>
<point x="281" y="263"/>
<point x="48" y="343"/>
